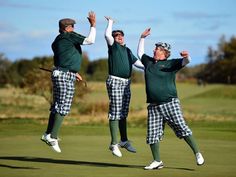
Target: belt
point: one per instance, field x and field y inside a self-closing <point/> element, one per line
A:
<point x="119" y="78"/>
<point x="65" y="70"/>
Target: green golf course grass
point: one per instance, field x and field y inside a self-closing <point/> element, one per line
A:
<point x="85" y="152"/>
<point x="210" y="112"/>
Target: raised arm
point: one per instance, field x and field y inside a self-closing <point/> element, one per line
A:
<point x="140" y="50"/>
<point x="108" y="31"/>
<point x="138" y="64"/>
<point x="186" y="57"/>
<point x="92" y="34"/>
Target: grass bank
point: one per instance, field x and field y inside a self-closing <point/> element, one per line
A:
<point x="209" y="103"/>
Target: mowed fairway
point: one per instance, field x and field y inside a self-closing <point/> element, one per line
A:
<point x="85" y="152"/>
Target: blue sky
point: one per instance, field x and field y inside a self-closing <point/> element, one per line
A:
<point x="27" y="28"/>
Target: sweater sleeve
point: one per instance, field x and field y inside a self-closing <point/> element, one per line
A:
<point x="91" y="37"/>
<point x="108" y="33"/>
<point x="140" y="50"/>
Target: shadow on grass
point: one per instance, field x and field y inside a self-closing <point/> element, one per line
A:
<point x="15" y="167"/>
<point x="74" y="162"/>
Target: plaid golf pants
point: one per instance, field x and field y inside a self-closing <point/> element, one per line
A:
<point x="119" y="94"/>
<point x="63" y="91"/>
<point x="169" y="113"/>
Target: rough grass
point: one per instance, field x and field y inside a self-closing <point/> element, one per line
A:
<point x="212" y="102"/>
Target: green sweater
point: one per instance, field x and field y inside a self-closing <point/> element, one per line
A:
<point x="120" y="60"/>
<point x="67" y="51"/>
<point x="160" y="79"/>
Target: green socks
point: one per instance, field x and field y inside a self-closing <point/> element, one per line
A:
<point x="50" y="122"/>
<point x="191" y="142"/>
<point x="113" y="124"/>
<point x="189" y="139"/>
<point x="123" y="130"/>
<point x="57" y="125"/>
<point x="155" y="151"/>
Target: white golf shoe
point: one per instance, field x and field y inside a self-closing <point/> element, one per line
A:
<point x="199" y="158"/>
<point x="115" y="150"/>
<point x="45" y="137"/>
<point x="154" y="165"/>
<point x="51" y="142"/>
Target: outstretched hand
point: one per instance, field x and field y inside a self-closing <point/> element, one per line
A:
<point x="146" y="33"/>
<point x="184" y="54"/>
<point x="109" y="18"/>
<point x="92" y="18"/>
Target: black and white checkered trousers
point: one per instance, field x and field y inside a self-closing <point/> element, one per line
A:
<point x="169" y="113"/>
<point x="119" y="94"/>
<point x="63" y="91"/>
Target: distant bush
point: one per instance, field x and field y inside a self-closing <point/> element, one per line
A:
<point x="93" y="108"/>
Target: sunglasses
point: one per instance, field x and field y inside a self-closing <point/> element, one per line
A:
<point x="118" y="34"/>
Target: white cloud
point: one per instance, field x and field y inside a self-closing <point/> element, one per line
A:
<point x="38" y="34"/>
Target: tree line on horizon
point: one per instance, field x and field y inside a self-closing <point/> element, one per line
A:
<point x="220" y="67"/>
